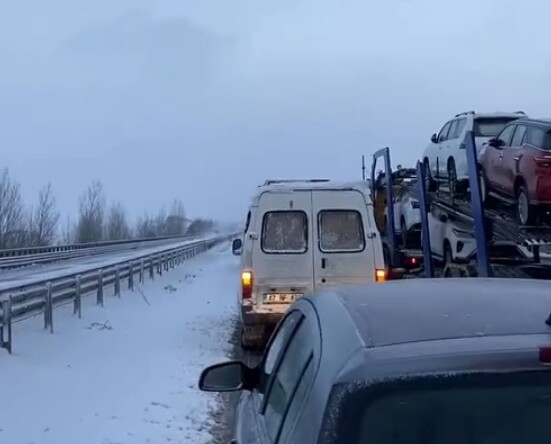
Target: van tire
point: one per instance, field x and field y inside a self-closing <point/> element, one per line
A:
<point x="250" y="339"/>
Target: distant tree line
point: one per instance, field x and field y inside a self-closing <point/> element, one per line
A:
<point x="39" y="224"/>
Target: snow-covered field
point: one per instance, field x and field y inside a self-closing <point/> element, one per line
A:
<point x="126" y="373"/>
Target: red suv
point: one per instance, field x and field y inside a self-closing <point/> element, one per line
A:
<point x="516" y="168"/>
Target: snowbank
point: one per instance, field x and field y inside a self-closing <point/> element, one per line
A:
<point x="126" y="373"/>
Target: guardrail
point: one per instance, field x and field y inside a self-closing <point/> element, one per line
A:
<point x="20" y="302"/>
<point x="70" y="247"/>
<point x="41" y="258"/>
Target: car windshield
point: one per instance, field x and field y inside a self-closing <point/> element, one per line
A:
<point x="477" y="415"/>
<point x="490" y="126"/>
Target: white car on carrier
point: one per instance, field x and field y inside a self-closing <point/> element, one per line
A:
<point x="299" y="236"/>
<point x="451" y="240"/>
<point x="445" y="158"/>
<point x="407" y="216"/>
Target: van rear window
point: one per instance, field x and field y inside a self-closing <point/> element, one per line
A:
<point x="284" y="232"/>
<point x="341" y="231"/>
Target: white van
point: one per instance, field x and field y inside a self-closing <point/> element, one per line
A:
<point x="300" y="236"/>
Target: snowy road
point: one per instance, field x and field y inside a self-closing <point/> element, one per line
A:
<point x="127" y="373"/>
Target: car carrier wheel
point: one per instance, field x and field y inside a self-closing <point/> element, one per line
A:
<point x="526" y="213"/>
<point x="404" y="232"/>
<point x="449" y="269"/>
<point x="452" y="177"/>
<point x="484" y="190"/>
<point x="430" y="183"/>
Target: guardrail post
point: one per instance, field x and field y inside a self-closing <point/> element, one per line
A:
<point x="48" y="308"/>
<point x="99" y="295"/>
<point x="117" y="282"/>
<point x="5" y="331"/>
<point x="160" y="265"/>
<point x="77" y="307"/>
<point x="151" y="271"/>
<point x="167" y="261"/>
<point x="141" y="271"/>
<point x="131" y="277"/>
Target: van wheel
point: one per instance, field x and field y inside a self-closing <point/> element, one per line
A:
<point x="252" y="338"/>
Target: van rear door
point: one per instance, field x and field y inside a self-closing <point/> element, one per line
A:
<point x="344" y="250"/>
<point x="282" y="255"/>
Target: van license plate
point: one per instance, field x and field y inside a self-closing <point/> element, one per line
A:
<point x="280" y="298"/>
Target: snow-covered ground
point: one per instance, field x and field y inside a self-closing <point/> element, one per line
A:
<point x="127" y="373"/>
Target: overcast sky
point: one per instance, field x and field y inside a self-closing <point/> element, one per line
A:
<point x="204" y="99"/>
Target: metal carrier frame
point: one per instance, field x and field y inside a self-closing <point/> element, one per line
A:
<point x="396" y="256"/>
<point x="490" y="226"/>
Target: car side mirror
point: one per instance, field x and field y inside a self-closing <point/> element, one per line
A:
<point x="225" y="377"/>
<point x="496" y="143"/>
<point x="443" y="218"/>
<point x="434" y="138"/>
<point x="236" y="246"/>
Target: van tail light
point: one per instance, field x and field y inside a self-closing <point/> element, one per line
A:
<point x="380" y="275"/>
<point x="544" y="161"/>
<point x="246" y="284"/>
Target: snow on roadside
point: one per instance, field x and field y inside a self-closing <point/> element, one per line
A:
<point x="126" y="373"/>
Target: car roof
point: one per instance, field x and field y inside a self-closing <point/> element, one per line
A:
<point x="287" y="186"/>
<point x="362" y="186"/>
<point x="415" y="310"/>
<point x="305" y="185"/>
<point x="539" y="122"/>
<point x="516" y="115"/>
